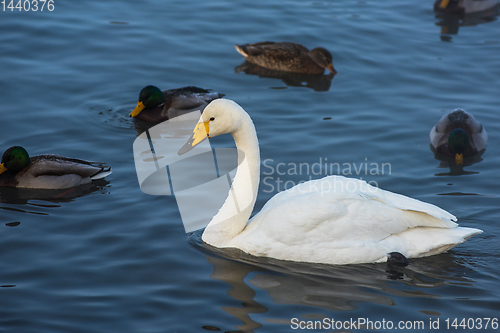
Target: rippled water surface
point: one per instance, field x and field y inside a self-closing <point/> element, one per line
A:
<point x="109" y="258"/>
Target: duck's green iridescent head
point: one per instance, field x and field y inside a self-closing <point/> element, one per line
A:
<point x="14" y="159"/>
<point x="458" y="141"/>
<point x="149" y="97"/>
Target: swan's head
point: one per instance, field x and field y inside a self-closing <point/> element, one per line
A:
<point x="221" y="116"/>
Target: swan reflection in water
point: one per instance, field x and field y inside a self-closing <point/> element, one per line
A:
<point x="323" y="287"/>
<point x="453" y="14"/>
<point x="317" y="82"/>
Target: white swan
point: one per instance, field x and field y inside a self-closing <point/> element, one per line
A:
<point x="351" y="222"/>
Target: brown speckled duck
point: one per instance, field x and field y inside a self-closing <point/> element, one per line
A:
<point x="155" y="106"/>
<point x="289" y="57"/>
<point x="17" y="169"/>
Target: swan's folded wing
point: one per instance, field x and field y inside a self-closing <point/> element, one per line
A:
<point x="340" y="187"/>
<point x="347" y="209"/>
<point x="406" y="203"/>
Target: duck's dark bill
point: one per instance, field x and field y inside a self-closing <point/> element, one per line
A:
<point x="331" y="69"/>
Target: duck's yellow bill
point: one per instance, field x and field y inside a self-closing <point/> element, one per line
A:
<point x="200" y="133"/>
<point x="459" y="159"/>
<point x="444" y="4"/>
<point x="331" y="69"/>
<point x="2" y="168"/>
<point x="140" y="106"/>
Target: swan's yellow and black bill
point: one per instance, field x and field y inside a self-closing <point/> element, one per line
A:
<point x="2" y="168"/>
<point x="459" y="159"/>
<point x="140" y="106"/>
<point x="200" y="133"/>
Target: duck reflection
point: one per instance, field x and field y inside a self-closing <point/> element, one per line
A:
<point x="333" y="288"/>
<point x="23" y="195"/>
<point x="456" y="13"/>
<point x="456" y="170"/>
<point x="317" y="82"/>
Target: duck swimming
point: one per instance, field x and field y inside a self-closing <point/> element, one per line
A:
<point x="458" y="134"/>
<point x="288" y="57"/>
<point x="155" y="106"/>
<point x="333" y="220"/>
<point x="17" y="169"/>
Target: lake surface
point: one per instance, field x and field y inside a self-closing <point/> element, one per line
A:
<point x="109" y="258"/>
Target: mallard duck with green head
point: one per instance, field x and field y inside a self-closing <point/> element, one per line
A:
<point x="458" y="134"/>
<point x="287" y="56"/>
<point x="18" y="169"/>
<point x="155" y="106"/>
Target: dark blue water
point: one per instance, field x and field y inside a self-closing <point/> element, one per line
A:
<point x="109" y="258"/>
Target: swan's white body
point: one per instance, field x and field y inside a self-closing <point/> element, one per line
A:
<point x="334" y="220"/>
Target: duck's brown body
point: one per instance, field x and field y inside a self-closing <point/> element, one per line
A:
<point x="286" y="56"/>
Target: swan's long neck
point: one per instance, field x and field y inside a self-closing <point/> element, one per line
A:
<point x="234" y="214"/>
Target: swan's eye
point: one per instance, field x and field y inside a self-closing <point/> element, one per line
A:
<point x="212" y="118"/>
